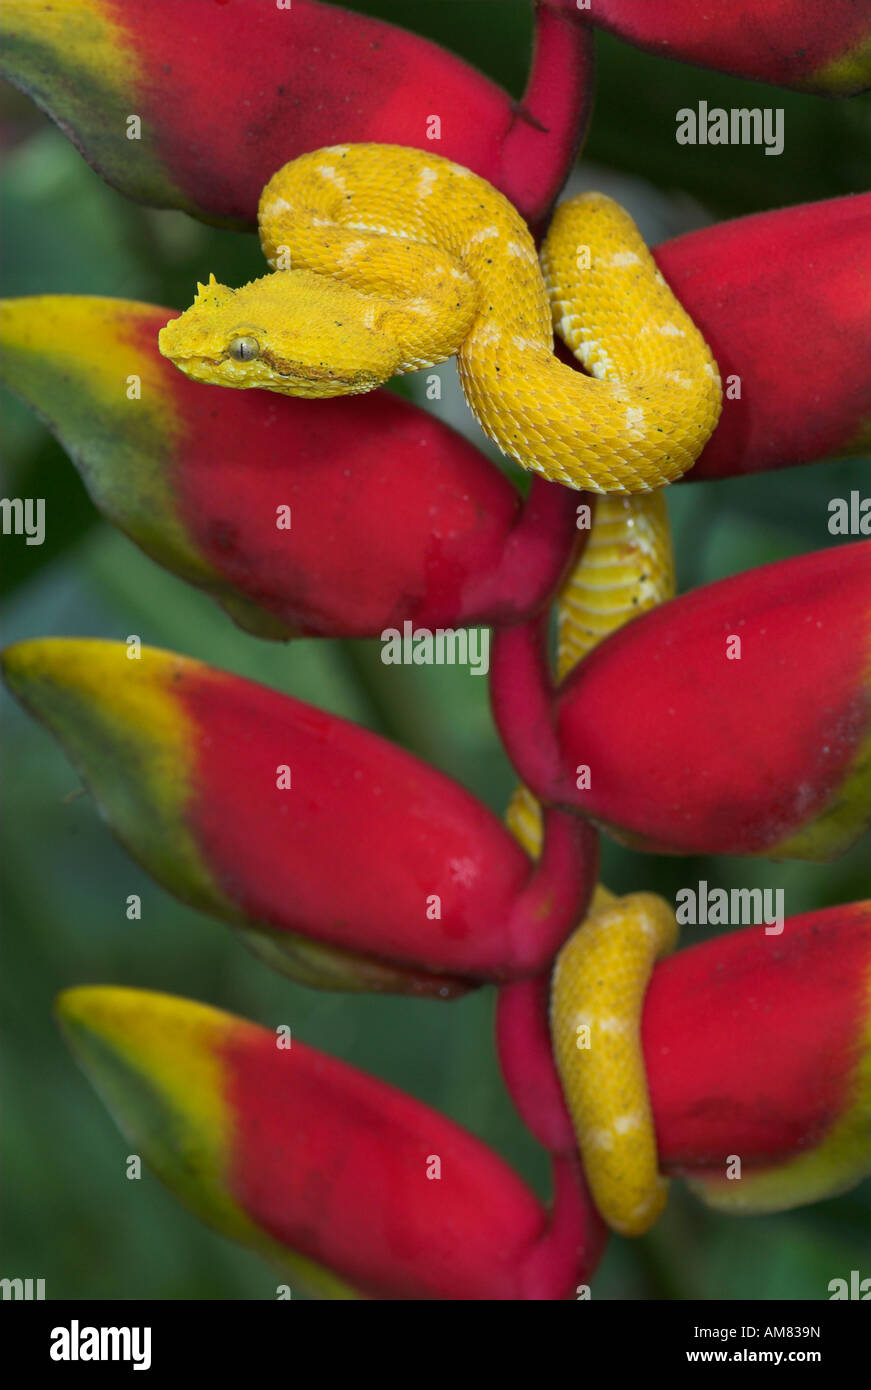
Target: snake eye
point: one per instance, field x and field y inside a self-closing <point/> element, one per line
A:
<point x="244" y="349"/>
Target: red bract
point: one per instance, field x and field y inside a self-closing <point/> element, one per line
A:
<point x="755" y="1045"/>
<point x="812" y="45"/>
<point x="334" y="1163"/>
<point x="227" y="93"/>
<point x="341" y="1178"/>
<point x="733" y="720"/>
<point x="289" y="823"/>
<point x="428" y="875"/>
<point x="784" y="300"/>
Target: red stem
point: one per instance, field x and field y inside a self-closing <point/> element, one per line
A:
<point x="526" y="1062"/>
<point x="556" y="894"/>
<point x="538" y="553"/>
<point x="573" y="1242"/>
<point x="521" y="696"/>
<point x="554" y="111"/>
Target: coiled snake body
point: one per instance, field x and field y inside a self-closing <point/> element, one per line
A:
<point x="389" y="259"/>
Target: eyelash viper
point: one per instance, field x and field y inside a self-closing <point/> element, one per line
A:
<point x="387" y="259"/>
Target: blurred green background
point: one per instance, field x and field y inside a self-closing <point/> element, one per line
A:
<point x="69" y="1214"/>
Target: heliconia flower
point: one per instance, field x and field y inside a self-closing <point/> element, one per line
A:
<point x="244" y="802"/>
<point x="341" y="517"/>
<point x="812" y="45"/>
<point x="733" y="720"/>
<point x="196" y="105"/>
<point x="768" y="290"/>
<point x="349" y="1186"/>
<point x="757" y="1049"/>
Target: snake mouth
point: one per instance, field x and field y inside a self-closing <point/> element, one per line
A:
<point x="302" y="379"/>
<point x="270" y="374"/>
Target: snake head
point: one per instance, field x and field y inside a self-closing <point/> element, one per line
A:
<point x="294" y="332"/>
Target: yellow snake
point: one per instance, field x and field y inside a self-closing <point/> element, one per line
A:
<point x="602" y="971"/>
<point x="387" y="259"/>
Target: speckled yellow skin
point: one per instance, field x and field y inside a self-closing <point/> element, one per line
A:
<point x="626" y="567"/>
<point x="389" y="259"/>
<point x="597" y="996"/>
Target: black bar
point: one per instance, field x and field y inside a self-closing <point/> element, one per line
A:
<point x="264" y="1338"/>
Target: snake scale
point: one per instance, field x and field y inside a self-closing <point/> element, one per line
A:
<point x="385" y="260"/>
